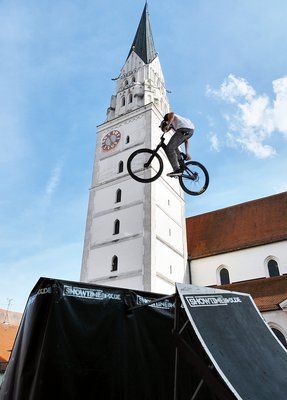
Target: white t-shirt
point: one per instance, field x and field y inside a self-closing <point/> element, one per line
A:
<point x="181" y="122"/>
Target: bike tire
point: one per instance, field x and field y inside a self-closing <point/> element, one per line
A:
<point x="195" y="178"/>
<point x="138" y="171"/>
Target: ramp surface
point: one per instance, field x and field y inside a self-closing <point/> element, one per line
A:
<point x="241" y="346"/>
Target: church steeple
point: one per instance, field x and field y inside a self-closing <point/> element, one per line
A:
<point x="143" y="44"/>
<point x="135" y="233"/>
<point x="141" y="80"/>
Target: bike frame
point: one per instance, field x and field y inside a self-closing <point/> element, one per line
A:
<point x="163" y="145"/>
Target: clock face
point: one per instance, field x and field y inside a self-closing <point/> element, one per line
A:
<point x="110" y="140"/>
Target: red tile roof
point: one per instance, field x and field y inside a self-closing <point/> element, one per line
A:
<point x="7" y="338"/>
<point x="267" y="293"/>
<point x="241" y="226"/>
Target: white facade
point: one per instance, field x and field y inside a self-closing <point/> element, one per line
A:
<point x="135" y="233"/>
<point x="242" y="265"/>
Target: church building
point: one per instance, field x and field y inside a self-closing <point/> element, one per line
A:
<point x="243" y="248"/>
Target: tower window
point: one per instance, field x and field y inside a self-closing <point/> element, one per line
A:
<point x="116" y="227"/>
<point x="115" y="262"/>
<point x="123" y="101"/>
<point x="118" y="196"/>
<point x="127" y="139"/>
<point x="224" y="276"/>
<point x="126" y="82"/>
<point x="134" y="79"/>
<point x="130" y="98"/>
<point x="273" y="269"/>
<point x="121" y="166"/>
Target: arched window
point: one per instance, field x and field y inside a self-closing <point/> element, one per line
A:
<point x="130" y="98"/>
<point x="280" y="337"/>
<point x="115" y="262"/>
<point x="224" y="276"/>
<point x="273" y="269"/>
<point x="134" y="79"/>
<point x="121" y="166"/>
<point x="118" y="196"/>
<point x="123" y="101"/>
<point x="126" y="82"/>
<point x="127" y="139"/>
<point x="116" y="227"/>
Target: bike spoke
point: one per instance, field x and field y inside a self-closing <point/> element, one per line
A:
<point x="144" y="165"/>
<point x="194" y="179"/>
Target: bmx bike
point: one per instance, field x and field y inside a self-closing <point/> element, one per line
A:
<point x="146" y="165"/>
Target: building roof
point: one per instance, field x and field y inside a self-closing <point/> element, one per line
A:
<point x="267" y="293"/>
<point x="238" y="227"/>
<point x="9" y="324"/>
<point x="143" y="44"/>
<point x="7" y="337"/>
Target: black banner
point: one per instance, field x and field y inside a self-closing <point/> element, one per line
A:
<point x="240" y="345"/>
<point x="80" y="341"/>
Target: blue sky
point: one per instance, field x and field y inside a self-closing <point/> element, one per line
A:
<point x="225" y="65"/>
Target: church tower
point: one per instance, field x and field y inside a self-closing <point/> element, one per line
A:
<point x="135" y="233"/>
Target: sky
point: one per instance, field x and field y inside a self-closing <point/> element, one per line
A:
<point x="225" y="67"/>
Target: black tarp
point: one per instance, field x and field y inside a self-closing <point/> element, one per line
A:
<point x="242" y="348"/>
<point x="79" y="341"/>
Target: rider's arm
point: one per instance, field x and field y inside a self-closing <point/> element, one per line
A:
<point x="170" y="121"/>
<point x="170" y="117"/>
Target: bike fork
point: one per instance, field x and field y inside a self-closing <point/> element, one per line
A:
<point x="148" y="163"/>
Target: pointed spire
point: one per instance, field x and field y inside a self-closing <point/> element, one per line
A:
<point x="143" y="44"/>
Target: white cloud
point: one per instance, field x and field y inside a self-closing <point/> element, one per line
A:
<point x="214" y="142"/>
<point x="53" y="183"/>
<point x="233" y="88"/>
<point x="253" y="118"/>
<point x="280" y="105"/>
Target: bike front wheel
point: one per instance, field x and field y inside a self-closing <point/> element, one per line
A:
<point x="195" y="178"/>
<point x="145" y="165"/>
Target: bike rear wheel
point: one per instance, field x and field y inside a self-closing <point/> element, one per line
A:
<point x="145" y="165"/>
<point x="195" y="178"/>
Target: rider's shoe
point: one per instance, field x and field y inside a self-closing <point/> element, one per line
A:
<point x="177" y="172"/>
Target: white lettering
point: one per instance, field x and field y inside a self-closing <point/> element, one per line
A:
<point x="163" y="304"/>
<point x="216" y="300"/>
<point x="88" y="293"/>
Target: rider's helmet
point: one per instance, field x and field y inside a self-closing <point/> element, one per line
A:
<point x="163" y="124"/>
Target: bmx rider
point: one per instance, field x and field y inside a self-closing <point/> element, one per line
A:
<point x="184" y="129"/>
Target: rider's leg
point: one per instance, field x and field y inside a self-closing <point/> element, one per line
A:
<point x="172" y="151"/>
